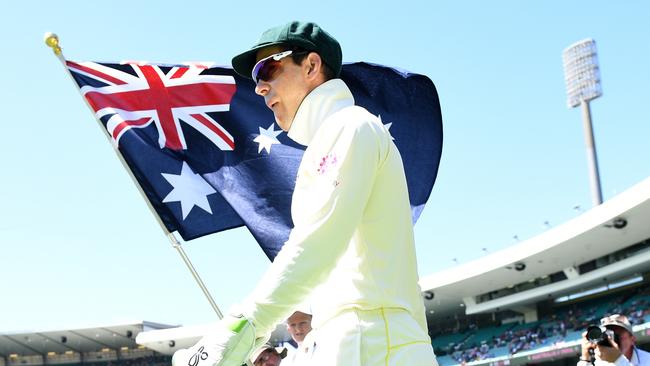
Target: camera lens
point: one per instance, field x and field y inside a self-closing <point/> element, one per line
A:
<point x="594" y="333"/>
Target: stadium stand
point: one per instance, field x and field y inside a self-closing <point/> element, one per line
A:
<point x="112" y="345"/>
<point x="563" y="324"/>
<point x="530" y="303"/>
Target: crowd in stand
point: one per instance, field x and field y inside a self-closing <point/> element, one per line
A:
<point x="550" y="331"/>
<point x="157" y="360"/>
<point x="472" y="354"/>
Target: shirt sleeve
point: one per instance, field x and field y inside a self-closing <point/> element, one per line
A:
<point x="328" y="214"/>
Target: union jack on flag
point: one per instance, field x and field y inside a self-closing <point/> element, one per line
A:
<point x="134" y="96"/>
<point x="206" y="152"/>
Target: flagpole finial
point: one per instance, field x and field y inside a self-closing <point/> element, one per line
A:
<point x="52" y="41"/>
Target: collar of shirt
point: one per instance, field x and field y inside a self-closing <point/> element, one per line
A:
<point x="635" y="358"/>
<point x="622" y="360"/>
<point x="326" y="99"/>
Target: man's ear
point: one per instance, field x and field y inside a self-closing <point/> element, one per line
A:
<point x="314" y="63"/>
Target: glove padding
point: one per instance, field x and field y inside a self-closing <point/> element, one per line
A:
<point x="230" y="344"/>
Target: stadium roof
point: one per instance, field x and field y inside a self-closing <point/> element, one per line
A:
<point x="113" y="337"/>
<point x="591" y="235"/>
<point x="168" y="341"/>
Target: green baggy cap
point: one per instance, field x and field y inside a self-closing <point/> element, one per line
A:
<point x="306" y="35"/>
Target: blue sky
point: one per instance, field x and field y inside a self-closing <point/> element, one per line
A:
<point x="79" y="246"/>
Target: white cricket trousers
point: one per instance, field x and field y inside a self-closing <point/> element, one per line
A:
<point x="383" y="337"/>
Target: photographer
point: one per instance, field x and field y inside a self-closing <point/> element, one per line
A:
<point x="619" y="350"/>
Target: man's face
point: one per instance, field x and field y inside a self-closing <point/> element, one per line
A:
<point x="298" y="325"/>
<point x="626" y="340"/>
<point x="268" y="358"/>
<point x="284" y="92"/>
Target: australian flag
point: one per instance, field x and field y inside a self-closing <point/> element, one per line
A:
<point x="207" y="152"/>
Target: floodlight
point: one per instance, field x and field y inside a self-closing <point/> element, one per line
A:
<point x="582" y="78"/>
<point x="581" y="72"/>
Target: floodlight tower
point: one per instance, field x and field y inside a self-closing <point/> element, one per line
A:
<point x="582" y="78"/>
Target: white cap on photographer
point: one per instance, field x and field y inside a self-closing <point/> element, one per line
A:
<point x="617" y="320"/>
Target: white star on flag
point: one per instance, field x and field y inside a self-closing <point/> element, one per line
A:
<point x="190" y="190"/>
<point x="387" y="125"/>
<point x="267" y="138"/>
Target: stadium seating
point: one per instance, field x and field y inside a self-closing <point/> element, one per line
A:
<point x="446" y="360"/>
<point x="564" y="324"/>
<point x="444" y="342"/>
<point x="158" y="360"/>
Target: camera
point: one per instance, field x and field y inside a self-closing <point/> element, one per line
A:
<point x="601" y="335"/>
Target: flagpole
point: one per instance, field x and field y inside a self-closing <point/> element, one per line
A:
<point x="52" y="41"/>
<point x="177" y="245"/>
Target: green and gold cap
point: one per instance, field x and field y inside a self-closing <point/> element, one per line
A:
<point x="306" y="35"/>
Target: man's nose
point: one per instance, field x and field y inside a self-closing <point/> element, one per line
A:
<point x="262" y="88"/>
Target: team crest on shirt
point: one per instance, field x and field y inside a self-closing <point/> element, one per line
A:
<point x="327" y="162"/>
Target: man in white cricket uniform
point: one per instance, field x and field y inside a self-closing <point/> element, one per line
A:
<point x="352" y="248"/>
